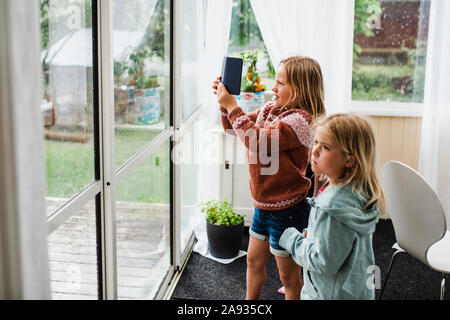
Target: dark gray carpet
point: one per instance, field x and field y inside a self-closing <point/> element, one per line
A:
<point x="205" y="279"/>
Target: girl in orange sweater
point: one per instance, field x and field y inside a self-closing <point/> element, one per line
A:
<point x="278" y="139"/>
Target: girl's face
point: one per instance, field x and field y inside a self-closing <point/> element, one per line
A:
<point x="282" y="91"/>
<point x="327" y="158"/>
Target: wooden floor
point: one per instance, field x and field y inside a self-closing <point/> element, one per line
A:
<point x="143" y="251"/>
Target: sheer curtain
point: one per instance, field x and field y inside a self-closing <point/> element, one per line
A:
<point x="217" y="31"/>
<point x="24" y="268"/>
<point x="434" y="160"/>
<point x="320" y="29"/>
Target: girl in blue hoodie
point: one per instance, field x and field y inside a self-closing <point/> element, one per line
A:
<point x="336" y="254"/>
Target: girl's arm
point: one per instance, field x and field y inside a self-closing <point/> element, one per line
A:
<point x="226" y="123"/>
<point x="291" y="132"/>
<point x="327" y="251"/>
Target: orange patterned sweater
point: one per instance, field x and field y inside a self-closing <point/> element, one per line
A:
<point x="278" y="146"/>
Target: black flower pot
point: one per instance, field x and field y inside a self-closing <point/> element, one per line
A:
<point x="224" y="241"/>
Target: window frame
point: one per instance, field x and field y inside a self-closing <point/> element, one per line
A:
<point x="388" y="108"/>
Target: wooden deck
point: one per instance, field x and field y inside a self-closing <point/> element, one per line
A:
<point x="143" y="249"/>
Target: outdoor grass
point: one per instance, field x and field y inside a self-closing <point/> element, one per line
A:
<point x="374" y="82"/>
<point x="70" y="168"/>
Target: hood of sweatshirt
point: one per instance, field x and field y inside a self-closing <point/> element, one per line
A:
<point x="347" y="207"/>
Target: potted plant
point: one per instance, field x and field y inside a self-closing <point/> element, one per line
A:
<point x="224" y="228"/>
<point x="143" y="90"/>
<point x="252" y="95"/>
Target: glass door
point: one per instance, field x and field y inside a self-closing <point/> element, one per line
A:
<point x="119" y="221"/>
<point x="142" y="86"/>
<point x="70" y="123"/>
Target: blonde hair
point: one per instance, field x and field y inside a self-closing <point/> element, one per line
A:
<point x="355" y="136"/>
<point x="304" y="75"/>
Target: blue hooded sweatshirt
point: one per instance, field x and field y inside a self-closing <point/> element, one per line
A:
<point x="337" y="255"/>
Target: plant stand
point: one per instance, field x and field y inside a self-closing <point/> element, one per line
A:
<point x="146" y="107"/>
<point x="250" y="101"/>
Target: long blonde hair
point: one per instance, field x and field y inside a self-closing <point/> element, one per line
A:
<point x="355" y="136"/>
<point x="304" y="75"/>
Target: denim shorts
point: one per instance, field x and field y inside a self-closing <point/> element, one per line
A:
<point x="270" y="225"/>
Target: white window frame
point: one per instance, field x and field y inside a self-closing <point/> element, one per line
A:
<point x="387" y="108"/>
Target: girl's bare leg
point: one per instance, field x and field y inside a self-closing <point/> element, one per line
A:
<point x="291" y="277"/>
<point x="257" y="255"/>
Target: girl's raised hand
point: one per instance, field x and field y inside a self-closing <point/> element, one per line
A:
<point x="216" y="84"/>
<point x="225" y="99"/>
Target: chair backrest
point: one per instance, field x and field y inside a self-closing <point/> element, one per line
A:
<point x="414" y="207"/>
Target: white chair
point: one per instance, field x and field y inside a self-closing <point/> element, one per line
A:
<point x="418" y="219"/>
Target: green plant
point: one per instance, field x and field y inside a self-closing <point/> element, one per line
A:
<point x="136" y="70"/>
<point x="252" y="80"/>
<point x="364" y="11"/>
<point x="119" y="69"/>
<point x="154" y="38"/>
<point x="220" y="213"/>
<point x="376" y="82"/>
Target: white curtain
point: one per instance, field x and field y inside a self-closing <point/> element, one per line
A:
<point x="217" y="31"/>
<point x="320" y="29"/>
<point x="217" y="28"/>
<point x="24" y="269"/>
<point x="434" y="161"/>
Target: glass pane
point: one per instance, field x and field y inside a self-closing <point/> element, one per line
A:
<point x="72" y="253"/>
<point x="141" y="41"/>
<point x="189" y="169"/>
<point x="192" y="35"/>
<point x="143" y="227"/>
<point x="390" y="48"/>
<point x="245" y="37"/>
<point x="67" y="98"/>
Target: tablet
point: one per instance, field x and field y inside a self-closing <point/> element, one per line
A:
<point x="232" y="74"/>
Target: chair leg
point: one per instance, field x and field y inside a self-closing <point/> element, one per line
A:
<point x="396" y="253"/>
<point x="444" y="277"/>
